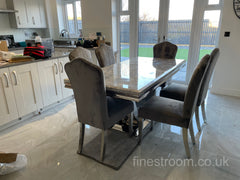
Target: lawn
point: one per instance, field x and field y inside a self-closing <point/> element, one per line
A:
<point x="148" y="52"/>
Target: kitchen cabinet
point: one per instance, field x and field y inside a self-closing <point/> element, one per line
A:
<point x="26" y="87"/>
<point x="66" y="92"/>
<point x="31" y="13"/>
<point x="18" y="19"/>
<point x="36" y="13"/>
<point x="43" y="21"/>
<point x="8" y="108"/>
<point x="50" y="81"/>
<point x="52" y="75"/>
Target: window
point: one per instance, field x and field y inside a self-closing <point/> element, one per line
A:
<point x="73" y="17"/>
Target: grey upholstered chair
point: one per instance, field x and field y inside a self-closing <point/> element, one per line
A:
<point x="84" y="53"/>
<point x="80" y="52"/>
<point x="165" y="50"/>
<point x="175" y="112"/>
<point x="105" y="55"/>
<point x="178" y="91"/>
<point x="93" y="106"/>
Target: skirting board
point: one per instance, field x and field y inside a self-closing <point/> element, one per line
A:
<point x="226" y="92"/>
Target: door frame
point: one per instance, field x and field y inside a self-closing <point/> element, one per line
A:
<point x="199" y="9"/>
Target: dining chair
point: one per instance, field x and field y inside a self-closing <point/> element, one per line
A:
<point x="93" y="106"/>
<point x="105" y="55"/>
<point x="178" y="91"/>
<point x="84" y="53"/>
<point x="165" y="50"/>
<point x="174" y="112"/>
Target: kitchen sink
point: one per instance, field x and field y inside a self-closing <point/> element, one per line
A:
<point x="64" y="42"/>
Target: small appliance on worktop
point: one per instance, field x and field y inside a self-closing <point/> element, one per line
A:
<point x="10" y="40"/>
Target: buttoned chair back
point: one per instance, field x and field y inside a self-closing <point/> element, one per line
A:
<point x="88" y="85"/>
<point x="165" y="50"/>
<point x="105" y="55"/>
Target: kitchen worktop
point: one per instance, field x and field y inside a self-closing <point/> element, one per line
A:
<point x="55" y="54"/>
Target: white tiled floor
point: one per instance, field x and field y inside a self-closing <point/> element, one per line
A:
<point x="50" y="143"/>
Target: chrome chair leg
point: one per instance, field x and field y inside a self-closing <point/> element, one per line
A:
<point x="185" y="141"/>
<point x="192" y="132"/>
<point x="103" y="145"/>
<point x="140" y="127"/>
<point x="197" y="119"/>
<point x="151" y="125"/>
<point x="81" y="138"/>
<point x="131" y="125"/>
<point x="204" y="112"/>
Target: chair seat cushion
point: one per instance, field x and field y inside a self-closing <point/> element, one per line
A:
<point x="118" y="108"/>
<point x="164" y="110"/>
<point x="174" y="91"/>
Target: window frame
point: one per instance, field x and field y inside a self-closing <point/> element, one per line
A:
<point x="76" y="28"/>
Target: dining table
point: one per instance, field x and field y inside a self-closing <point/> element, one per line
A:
<point x="135" y="78"/>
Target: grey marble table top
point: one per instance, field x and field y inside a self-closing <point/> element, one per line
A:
<point x="132" y="79"/>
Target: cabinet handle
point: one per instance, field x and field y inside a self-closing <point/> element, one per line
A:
<point x="15" y="76"/>
<point x="19" y="22"/>
<point x="61" y="67"/>
<point x="33" y="20"/>
<point x="56" y="68"/>
<point x="7" y="79"/>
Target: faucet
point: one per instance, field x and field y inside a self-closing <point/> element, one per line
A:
<point x="64" y="33"/>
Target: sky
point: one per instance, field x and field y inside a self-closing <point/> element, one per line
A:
<point x="179" y="10"/>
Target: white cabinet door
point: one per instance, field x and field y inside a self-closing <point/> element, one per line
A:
<point x="26" y="88"/>
<point x="21" y="16"/>
<point x="36" y="13"/>
<point x="41" y="6"/>
<point x="33" y="11"/>
<point x="65" y="91"/>
<point x="8" y="108"/>
<point x="49" y="81"/>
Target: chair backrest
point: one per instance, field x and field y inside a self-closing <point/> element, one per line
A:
<point x="105" y="55"/>
<point x="87" y="82"/>
<point x="81" y="52"/>
<point x="193" y="89"/>
<point x="165" y="50"/>
<point x="206" y="80"/>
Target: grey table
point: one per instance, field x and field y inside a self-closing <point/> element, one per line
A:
<point x="135" y="78"/>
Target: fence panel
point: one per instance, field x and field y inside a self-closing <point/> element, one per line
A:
<point x="179" y="32"/>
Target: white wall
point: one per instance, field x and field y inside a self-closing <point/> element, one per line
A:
<point x="97" y="17"/>
<point x="19" y="34"/>
<point x="226" y="79"/>
<point x="52" y="18"/>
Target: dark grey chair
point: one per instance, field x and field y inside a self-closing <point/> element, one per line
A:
<point x="84" y="53"/>
<point x="80" y="52"/>
<point x="93" y="106"/>
<point x="165" y="50"/>
<point x="178" y="91"/>
<point x="105" y="55"/>
<point x="175" y="112"/>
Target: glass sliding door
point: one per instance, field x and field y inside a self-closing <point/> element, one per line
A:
<point x="210" y="31"/>
<point x="147" y="27"/>
<point x="124" y="36"/>
<point x="190" y="24"/>
<point x="127" y="29"/>
<point x="179" y="31"/>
